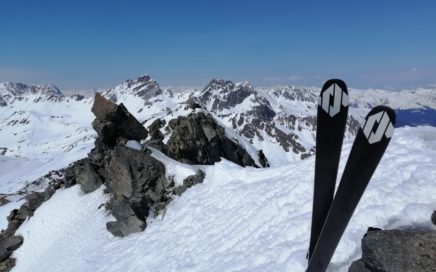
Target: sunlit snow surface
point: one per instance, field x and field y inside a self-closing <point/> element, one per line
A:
<point x="239" y="219"/>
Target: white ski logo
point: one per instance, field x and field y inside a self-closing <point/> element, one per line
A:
<point x="339" y="98"/>
<point x="385" y="127"/>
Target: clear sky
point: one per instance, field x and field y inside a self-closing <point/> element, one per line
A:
<point x="85" y="44"/>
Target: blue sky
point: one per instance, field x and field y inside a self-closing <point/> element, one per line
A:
<point x="98" y="44"/>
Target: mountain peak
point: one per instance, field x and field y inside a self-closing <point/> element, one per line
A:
<point x="9" y="91"/>
<point x="219" y="84"/>
<point x="144" y="86"/>
<point x="19" y="89"/>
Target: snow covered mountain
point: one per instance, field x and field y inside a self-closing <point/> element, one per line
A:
<point x="238" y="219"/>
<point x="280" y="121"/>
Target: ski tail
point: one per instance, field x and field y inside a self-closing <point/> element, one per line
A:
<point x="331" y="120"/>
<point x="368" y="148"/>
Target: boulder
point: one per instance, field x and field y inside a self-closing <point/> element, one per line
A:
<point x="11" y="243"/>
<point x="4" y="254"/>
<point x="103" y="108"/>
<point x="135" y="180"/>
<point x="115" y="121"/>
<point x="127" y="222"/>
<point x="86" y="176"/>
<point x="411" y="250"/>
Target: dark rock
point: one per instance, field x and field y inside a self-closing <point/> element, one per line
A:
<point x="4" y="200"/>
<point x="22" y="213"/>
<point x="4" y="254"/>
<point x="127" y="222"/>
<point x="11" y="243"/>
<point x="189" y="182"/>
<point x="12" y="227"/>
<point x="86" y="176"/>
<point x="103" y="108"/>
<point x="12" y="215"/>
<point x="154" y="129"/>
<point x="156" y="136"/>
<point x="397" y="250"/>
<point x="433" y="218"/>
<point x="225" y="94"/>
<point x="358" y="266"/>
<point x="135" y="180"/>
<point x="192" y="104"/>
<point x="7" y="265"/>
<point x="34" y="200"/>
<point x="114" y="121"/>
<point x="194" y="179"/>
<point x="262" y="159"/>
<point x="198" y="139"/>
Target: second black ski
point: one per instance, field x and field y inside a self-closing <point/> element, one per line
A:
<point x="368" y="148"/>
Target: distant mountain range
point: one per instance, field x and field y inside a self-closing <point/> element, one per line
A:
<point x="278" y="120"/>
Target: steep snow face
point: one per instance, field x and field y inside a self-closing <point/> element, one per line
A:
<point x="239" y="219"/>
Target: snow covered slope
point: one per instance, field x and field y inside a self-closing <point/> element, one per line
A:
<point x="39" y="122"/>
<point x="239" y="219"/>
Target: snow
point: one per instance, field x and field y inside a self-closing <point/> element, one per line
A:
<point x="238" y="219"/>
<point x="175" y="170"/>
<point x="134" y="145"/>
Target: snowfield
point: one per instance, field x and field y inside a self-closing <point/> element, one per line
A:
<point x="238" y="219"/>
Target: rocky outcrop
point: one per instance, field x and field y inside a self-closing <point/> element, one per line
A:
<point x="198" y="139"/>
<point x="86" y="175"/>
<point x="134" y="179"/>
<point x="411" y="250"/>
<point x="115" y="121"/>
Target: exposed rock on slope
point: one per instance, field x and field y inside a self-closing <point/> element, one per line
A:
<point x="135" y="180"/>
<point x="9" y="242"/>
<point x="255" y="117"/>
<point x="198" y="139"/>
<point x="138" y="185"/>
<point x="115" y="121"/>
<point x="397" y="251"/>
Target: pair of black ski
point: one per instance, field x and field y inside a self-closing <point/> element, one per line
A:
<point x="330" y="214"/>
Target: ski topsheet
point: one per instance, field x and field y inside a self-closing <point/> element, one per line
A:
<point x="331" y="120"/>
<point x="368" y="148"/>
